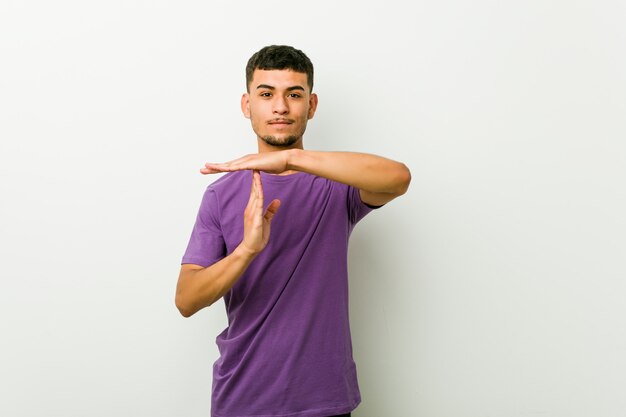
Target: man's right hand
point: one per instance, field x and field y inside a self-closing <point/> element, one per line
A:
<point x="199" y="286"/>
<point x="256" y="222"/>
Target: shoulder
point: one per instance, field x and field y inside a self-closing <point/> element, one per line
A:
<point x="230" y="191"/>
<point x="229" y="179"/>
<point x="223" y="187"/>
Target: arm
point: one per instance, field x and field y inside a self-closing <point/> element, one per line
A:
<point x="199" y="287"/>
<point x="378" y="179"/>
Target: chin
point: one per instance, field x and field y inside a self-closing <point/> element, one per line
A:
<point x="282" y="142"/>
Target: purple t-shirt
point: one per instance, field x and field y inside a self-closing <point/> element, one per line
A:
<point x="287" y="349"/>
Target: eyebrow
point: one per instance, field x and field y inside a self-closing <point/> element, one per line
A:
<point x="269" y="87"/>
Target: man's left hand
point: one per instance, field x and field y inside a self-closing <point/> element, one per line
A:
<point x="271" y="162"/>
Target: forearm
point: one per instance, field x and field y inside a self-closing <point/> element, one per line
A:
<point x="200" y="287"/>
<point x="363" y="171"/>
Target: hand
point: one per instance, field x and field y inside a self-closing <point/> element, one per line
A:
<point x="273" y="162"/>
<point x="256" y="224"/>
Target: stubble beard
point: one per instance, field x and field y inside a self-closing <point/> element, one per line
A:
<point x="285" y="142"/>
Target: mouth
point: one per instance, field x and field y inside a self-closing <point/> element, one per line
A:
<point x="280" y="122"/>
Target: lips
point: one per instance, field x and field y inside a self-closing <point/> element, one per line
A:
<point x="281" y="122"/>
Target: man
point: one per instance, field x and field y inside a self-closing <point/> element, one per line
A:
<point x="287" y="349"/>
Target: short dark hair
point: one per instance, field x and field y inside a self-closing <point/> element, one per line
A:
<point x="279" y="57"/>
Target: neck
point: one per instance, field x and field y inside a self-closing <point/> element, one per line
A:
<point x="265" y="147"/>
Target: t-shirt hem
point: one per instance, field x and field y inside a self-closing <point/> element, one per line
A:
<point x="196" y="261"/>
<point x="319" y="412"/>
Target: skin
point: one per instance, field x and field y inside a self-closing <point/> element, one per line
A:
<point x="279" y="104"/>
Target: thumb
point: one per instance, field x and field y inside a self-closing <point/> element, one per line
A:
<point x="272" y="209"/>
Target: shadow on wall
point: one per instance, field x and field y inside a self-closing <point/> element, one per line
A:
<point x="369" y="281"/>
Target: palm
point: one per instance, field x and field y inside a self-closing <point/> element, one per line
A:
<point x="256" y="222"/>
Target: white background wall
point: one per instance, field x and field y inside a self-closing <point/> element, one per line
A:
<point x="495" y="287"/>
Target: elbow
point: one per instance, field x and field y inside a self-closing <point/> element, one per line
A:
<point x="185" y="313"/>
<point x="183" y="307"/>
<point x="403" y="179"/>
<point x="189" y="306"/>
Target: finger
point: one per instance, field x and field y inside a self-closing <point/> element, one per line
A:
<point x="245" y="162"/>
<point x="213" y="168"/>
<point x="272" y="209"/>
<point x="259" y="188"/>
<point x="207" y="170"/>
<point x="253" y="194"/>
<point x="238" y="164"/>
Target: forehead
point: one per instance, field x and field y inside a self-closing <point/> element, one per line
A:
<point x="279" y="79"/>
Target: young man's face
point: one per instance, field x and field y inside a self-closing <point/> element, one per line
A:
<point x="279" y="105"/>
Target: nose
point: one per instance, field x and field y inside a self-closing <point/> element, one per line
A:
<point x="280" y="105"/>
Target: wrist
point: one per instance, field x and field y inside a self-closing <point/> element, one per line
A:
<point x="245" y="253"/>
<point x="294" y="157"/>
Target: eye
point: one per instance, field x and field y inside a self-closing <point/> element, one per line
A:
<point x="295" y="95"/>
<point x="265" y="94"/>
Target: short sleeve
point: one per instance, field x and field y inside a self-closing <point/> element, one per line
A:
<point x="357" y="208"/>
<point x="206" y="244"/>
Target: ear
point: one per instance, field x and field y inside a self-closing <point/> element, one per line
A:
<point x="312" y="105"/>
<point x="245" y="105"/>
